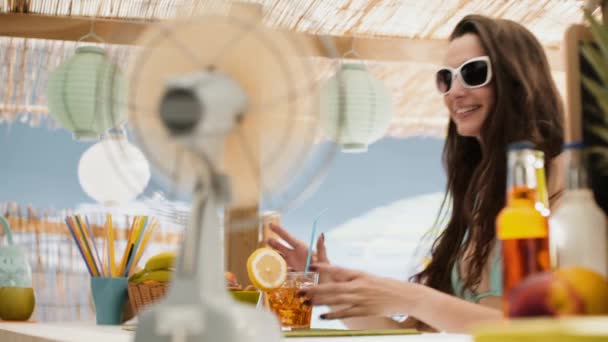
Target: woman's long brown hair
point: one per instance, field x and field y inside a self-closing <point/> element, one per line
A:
<point x="527" y="107"/>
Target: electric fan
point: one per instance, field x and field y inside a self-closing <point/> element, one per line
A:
<point x="228" y="109"/>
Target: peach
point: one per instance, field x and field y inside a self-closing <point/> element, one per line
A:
<point x="567" y="291"/>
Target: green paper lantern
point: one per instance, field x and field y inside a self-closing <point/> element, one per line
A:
<point x="87" y="94"/>
<point x="356" y="108"/>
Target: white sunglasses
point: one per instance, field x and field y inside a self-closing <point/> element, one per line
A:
<point x="474" y="73"/>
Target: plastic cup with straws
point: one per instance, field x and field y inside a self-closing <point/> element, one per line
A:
<point x="109" y="280"/>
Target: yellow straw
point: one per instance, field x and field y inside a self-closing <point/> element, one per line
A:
<point x="104" y="251"/>
<point x="144" y="243"/>
<point x="111" y="244"/>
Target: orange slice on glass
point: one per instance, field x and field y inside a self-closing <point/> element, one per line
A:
<point x="266" y="268"/>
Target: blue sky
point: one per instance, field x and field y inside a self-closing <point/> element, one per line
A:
<point x="38" y="166"/>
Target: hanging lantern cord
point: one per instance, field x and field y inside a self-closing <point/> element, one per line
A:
<point x="92" y="33"/>
<point x="352" y="52"/>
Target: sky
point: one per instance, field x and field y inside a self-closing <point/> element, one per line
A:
<point x="38" y="166"/>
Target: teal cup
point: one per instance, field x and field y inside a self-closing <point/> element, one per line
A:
<point x="109" y="297"/>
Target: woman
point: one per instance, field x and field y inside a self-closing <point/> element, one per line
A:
<point x="498" y="89"/>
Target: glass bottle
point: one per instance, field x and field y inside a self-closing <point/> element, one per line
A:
<point x="521" y="226"/>
<point x="578" y="226"/>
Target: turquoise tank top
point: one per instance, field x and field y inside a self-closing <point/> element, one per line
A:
<point x="495" y="281"/>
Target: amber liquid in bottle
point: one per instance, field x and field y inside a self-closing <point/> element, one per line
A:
<point x="523" y="231"/>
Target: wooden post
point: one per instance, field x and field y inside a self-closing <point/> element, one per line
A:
<point x="241" y="239"/>
<point x="241" y="219"/>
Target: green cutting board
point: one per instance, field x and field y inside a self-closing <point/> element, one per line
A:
<point x="328" y="332"/>
<point x="335" y="332"/>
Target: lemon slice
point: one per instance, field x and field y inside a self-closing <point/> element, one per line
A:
<point x="266" y="268"/>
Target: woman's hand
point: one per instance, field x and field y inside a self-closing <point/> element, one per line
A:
<point x="296" y="254"/>
<point x="359" y="294"/>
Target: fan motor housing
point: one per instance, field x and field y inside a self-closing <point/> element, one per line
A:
<point x="205" y="103"/>
<point x="181" y="110"/>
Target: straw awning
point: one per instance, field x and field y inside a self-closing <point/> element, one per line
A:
<point x="401" y="41"/>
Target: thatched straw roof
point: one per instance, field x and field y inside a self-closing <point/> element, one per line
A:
<point x="401" y="41"/>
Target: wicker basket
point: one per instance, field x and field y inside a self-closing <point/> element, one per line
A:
<point x="144" y="294"/>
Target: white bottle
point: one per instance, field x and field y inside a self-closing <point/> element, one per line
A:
<point x="578" y="234"/>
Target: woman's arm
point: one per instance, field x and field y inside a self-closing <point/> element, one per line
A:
<point x="360" y="295"/>
<point x="390" y="288"/>
<point x="448" y="313"/>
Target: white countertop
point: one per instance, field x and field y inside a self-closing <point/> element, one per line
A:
<point x="82" y="332"/>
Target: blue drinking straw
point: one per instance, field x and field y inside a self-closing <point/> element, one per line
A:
<point x="71" y="229"/>
<point x="312" y="239"/>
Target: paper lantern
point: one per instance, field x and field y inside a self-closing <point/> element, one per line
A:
<point x="356" y="108"/>
<point x="87" y="94"/>
<point x="113" y="171"/>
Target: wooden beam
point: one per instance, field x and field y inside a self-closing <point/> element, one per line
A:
<point x="394" y="49"/>
<point x="72" y="28"/>
<point x="402" y="49"/>
<point x="126" y="31"/>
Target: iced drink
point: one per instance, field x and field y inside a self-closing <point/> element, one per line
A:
<point x="289" y="308"/>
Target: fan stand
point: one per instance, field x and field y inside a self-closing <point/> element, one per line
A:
<point x="198" y="307"/>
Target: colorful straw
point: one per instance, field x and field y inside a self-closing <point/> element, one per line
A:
<point x="84" y="235"/>
<point x="99" y="260"/>
<point x="128" y="246"/>
<point x="144" y="242"/>
<point x="104" y="264"/>
<point x="111" y="254"/>
<point x="138" y="235"/>
<point x="72" y="231"/>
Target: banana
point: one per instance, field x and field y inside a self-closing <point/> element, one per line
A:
<point x="161" y="261"/>
<point x="133" y="278"/>
<point x="161" y="276"/>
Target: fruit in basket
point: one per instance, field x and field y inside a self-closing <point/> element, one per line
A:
<point x="159" y="268"/>
<point x="266" y="268"/>
<point x="161" y="261"/>
<point x="567" y="291"/>
<point x="16" y="303"/>
<point x="135" y="276"/>
<point x="160" y="276"/>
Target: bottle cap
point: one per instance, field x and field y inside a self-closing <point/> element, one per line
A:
<point x="574" y="145"/>
<point x="521" y="145"/>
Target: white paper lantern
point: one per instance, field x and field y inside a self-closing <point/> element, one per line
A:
<point x="113" y="171"/>
<point x="365" y="105"/>
<point x="87" y="94"/>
